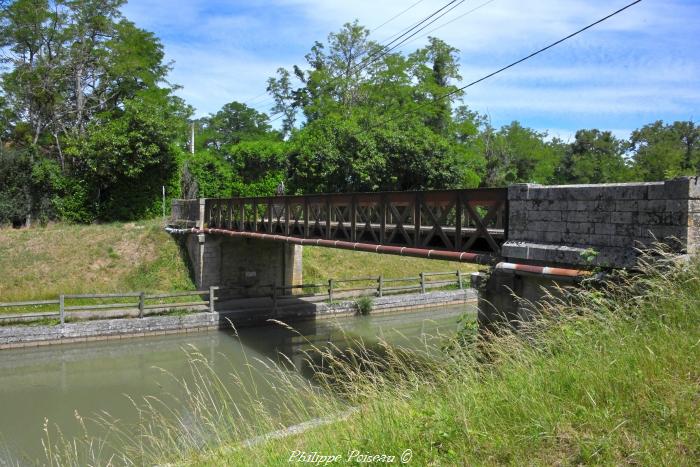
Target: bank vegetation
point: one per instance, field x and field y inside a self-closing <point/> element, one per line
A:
<point x="607" y="376"/>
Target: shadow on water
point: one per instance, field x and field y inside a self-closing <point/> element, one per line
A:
<point x="91" y="378"/>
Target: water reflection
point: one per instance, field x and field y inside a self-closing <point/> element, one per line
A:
<point x="54" y="382"/>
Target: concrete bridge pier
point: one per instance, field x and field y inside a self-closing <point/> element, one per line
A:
<point x="558" y="234"/>
<point x="231" y="262"/>
<point x="223" y="261"/>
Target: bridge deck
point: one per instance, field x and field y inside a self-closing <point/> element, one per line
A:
<point x="449" y="220"/>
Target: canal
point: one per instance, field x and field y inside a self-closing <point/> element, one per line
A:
<point x="56" y="382"/>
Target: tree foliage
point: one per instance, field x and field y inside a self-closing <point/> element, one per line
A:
<point x="83" y="88"/>
<point x="90" y="128"/>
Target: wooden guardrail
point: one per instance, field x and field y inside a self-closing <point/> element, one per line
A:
<point x="141" y="303"/>
<point x="356" y="286"/>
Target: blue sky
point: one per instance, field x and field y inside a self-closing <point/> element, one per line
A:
<point x="640" y="66"/>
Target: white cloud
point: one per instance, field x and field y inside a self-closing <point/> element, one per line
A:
<point x="643" y="64"/>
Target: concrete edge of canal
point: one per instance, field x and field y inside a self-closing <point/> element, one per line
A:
<point x="111" y="329"/>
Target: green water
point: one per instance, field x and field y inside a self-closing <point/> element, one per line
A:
<point x="54" y="382"/>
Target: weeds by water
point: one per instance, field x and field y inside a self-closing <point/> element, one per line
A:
<point x="607" y="375"/>
<point x="364" y="305"/>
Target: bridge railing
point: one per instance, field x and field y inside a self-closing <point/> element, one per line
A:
<point x="456" y="220"/>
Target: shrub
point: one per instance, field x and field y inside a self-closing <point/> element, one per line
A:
<point x="364" y="305"/>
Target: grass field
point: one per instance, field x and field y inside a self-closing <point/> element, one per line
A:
<point x="611" y="378"/>
<point x="614" y="381"/>
<point x="43" y="262"/>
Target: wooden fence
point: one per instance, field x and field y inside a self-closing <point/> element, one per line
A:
<point x="142" y="301"/>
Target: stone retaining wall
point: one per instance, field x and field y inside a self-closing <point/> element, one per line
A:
<point x="558" y="224"/>
<point x="33" y="336"/>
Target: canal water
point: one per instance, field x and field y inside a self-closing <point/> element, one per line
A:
<point x="54" y="382"/>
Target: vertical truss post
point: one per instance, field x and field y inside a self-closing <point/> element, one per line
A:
<point x="383" y="201"/>
<point x="417" y="206"/>
<point x="458" y="223"/>
<point x="287" y="215"/>
<point x="328" y="217"/>
<point x="353" y="218"/>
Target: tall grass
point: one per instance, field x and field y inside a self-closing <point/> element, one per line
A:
<point x="608" y="375"/>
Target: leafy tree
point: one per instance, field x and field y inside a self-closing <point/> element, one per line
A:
<point x="234" y="123"/>
<point x="259" y="166"/>
<point x="665" y="151"/>
<point x="213" y="174"/>
<point x="128" y="154"/>
<point x="84" y="88"/>
<point x="594" y="157"/>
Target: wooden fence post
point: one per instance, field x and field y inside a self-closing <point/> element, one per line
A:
<point x="142" y="303"/>
<point x="61" y="309"/>
<point x="422" y="283"/>
<point x="381" y="285"/>
<point x="459" y="280"/>
<point x="330" y="290"/>
<point x="212" y="298"/>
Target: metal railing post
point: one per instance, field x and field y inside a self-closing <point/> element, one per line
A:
<point x="62" y="309"/>
<point x="330" y="290"/>
<point x="459" y="280"/>
<point x="142" y="303"/>
<point x="212" y="298"/>
<point x="381" y="285"/>
<point x="422" y="283"/>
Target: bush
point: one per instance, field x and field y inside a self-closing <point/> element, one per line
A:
<point x="364" y="305"/>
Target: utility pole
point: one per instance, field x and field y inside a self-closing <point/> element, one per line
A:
<point x="192" y="139"/>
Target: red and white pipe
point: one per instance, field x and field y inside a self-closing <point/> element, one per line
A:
<point x="463" y="257"/>
<point x="542" y="270"/>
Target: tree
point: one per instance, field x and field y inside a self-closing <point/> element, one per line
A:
<point x="129" y="153"/>
<point x="84" y="88"/>
<point x="594" y="157"/>
<point x="235" y="122"/>
<point x="665" y="151"/>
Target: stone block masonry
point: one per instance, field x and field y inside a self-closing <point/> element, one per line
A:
<point x="231" y="262"/>
<point x="562" y="224"/>
<point x="35" y="336"/>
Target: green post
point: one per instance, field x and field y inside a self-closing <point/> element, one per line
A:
<point x="422" y="283"/>
<point x="142" y="303"/>
<point x="380" y="289"/>
<point x="330" y="290"/>
<point x="459" y="280"/>
<point x="62" y="309"/>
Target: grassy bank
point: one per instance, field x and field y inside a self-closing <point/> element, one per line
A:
<point x="40" y="263"/>
<point x="320" y="264"/>
<point x="616" y="381"/>
<point x="610" y="378"/>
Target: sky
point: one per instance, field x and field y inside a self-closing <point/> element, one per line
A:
<point x="640" y="66"/>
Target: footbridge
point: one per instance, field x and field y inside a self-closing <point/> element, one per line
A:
<point x="460" y="225"/>
<point x="530" y="235"/>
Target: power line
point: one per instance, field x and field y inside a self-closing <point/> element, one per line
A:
<point x="369" y="60"/>
<point x="451" y="21"/>
<point x="365" y="61"/>
<point x="249" y="101"/>
<point x="396" y="16"/>
<point x="384" y="53"/>
<point x="537" y="52"/>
